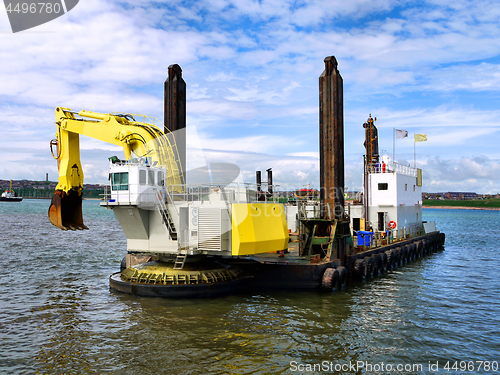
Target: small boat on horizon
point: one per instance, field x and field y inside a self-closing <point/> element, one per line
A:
<point x="10" y="195"/>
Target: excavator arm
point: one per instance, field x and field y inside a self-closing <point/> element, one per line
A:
<point x="138" y="138"/>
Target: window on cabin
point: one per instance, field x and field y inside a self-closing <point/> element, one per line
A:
<point x="142" y="177"/>
<point x="119" y="181"/>
<point x="161" y="178"/>
<point x="406" y="187"/>
<point x="383" y="186"/>
<point x="151" y="177"/>
<point x="413" y="187"/>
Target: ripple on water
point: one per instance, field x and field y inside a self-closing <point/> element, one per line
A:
<point x="59" y="315"/>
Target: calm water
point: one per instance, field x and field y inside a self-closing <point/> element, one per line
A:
<point x="58" y="316"/>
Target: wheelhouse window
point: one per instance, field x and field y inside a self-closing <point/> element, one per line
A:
<point x="119" y="181"/>
<point x="161" y="178"/>
<point x="151" y="177"/>
<point x="383" y="186"/>
<point x="142" y="177"/>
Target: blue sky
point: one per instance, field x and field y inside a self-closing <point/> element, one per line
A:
<point x="252" y="70"/>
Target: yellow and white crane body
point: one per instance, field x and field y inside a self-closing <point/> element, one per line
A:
<point x="159" y="214"/>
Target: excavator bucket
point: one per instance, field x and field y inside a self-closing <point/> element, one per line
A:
<point x="65" y="210"/>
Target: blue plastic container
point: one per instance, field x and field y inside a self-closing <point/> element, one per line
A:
<point x="365" y="238"/>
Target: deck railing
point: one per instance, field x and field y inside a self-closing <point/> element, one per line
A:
<point x="392" y="168"/>
<point x="377" y="239"/>
<point x="232" y="193"/>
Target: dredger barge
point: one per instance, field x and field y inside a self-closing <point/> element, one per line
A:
<point x="223" y="237"/>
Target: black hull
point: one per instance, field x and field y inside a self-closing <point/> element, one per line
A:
<point x="265" y="273"/>
<point x="180" y="291"/>
<point x="17" y="199"/>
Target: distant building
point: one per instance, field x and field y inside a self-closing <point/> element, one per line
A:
<point x="460" y="195"/>
<point x="432" y="195"/>
<point x="455" y="195"/>
<point x="41" y="185"/>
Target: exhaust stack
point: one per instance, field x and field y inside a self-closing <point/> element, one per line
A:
<point x="269" y="181"/>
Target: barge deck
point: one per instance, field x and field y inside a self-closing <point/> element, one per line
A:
<point x="288" y="271"/>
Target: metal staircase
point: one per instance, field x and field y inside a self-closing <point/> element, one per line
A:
<point x="179" y="261"/>
<point x="165" y="216"/>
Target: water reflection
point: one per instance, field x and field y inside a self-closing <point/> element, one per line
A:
<point x="58" y="315"/>
<point x="65" y="334"/>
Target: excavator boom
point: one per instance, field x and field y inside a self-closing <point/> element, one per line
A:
<point x="138" y="138"/>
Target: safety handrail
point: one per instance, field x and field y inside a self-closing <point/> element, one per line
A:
<point x="201" y="192"/>
<point x="170" y="201"/>
<point x="392" y="168"/>
<point x="163" y="210"/>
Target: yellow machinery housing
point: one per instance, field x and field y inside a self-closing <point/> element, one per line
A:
<point x="258" y="228"/>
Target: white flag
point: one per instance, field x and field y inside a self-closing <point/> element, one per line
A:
<point x="401" y="133"/>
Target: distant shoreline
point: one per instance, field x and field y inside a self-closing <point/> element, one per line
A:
<point x="464" y="208"/>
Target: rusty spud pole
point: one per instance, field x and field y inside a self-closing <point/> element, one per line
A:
<point x="331" y="140"/>
<point x="175" y="111"/>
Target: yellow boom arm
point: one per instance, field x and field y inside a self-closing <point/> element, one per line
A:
<point x="138" y="138"/>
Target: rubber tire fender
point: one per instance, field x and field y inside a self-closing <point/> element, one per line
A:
<point x="384" y="258"/>
<point x="442" y="239"/>
<point x="411" y="252"/>
<point x="404" y="255"/>
<point x="425" y="244"/>
<point x="408" y="253"/>
<point x="342" y="276"/>
<point x="378" y="263"/>
<point x="391" y="259"/>
<point x="330" y="279"/>
<point x="371" y="267"/>
<point x="360" y="269"/>
<point x="416" y="255"/>
<point x="397" y="257"/>
<point x="409" y="256"/>
<point x="420" y="247"/>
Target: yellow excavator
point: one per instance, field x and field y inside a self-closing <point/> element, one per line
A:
<point x="144" y="139"/>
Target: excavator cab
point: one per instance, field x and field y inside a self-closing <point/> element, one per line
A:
<point x="65" y="210"/>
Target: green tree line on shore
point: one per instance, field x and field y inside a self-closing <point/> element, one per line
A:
<point x="476" y="203"/>
<point x="48" y="193"/>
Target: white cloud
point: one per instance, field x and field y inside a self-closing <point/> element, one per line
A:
<point x="480" y="77"/>
<point x="478" y="174"/>
<point x="427" y="119"/>
<point x="252" y="72"/>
